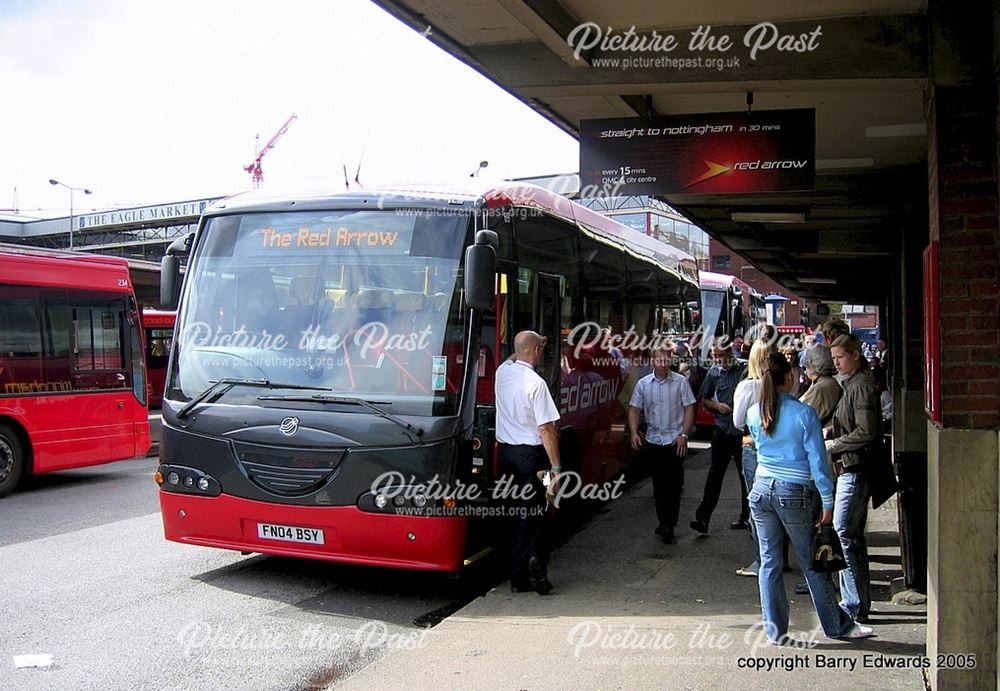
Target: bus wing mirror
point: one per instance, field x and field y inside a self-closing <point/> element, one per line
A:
<point x="170" y="270"/>
<point x="480" y="271"/>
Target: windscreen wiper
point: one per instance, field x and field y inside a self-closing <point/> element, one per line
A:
<point x="218" y="388"/>
<point x="419" y="431"/>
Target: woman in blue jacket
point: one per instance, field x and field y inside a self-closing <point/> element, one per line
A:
<point x="791" y="457"/>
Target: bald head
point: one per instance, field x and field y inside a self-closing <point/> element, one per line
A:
<point x="528" y="346"/>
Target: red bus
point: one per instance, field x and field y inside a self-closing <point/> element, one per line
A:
<point x="330" y="391"/>
<point x="729" y="308"/>
<point x="72" y="380"/>
<point x="158" y="335"/>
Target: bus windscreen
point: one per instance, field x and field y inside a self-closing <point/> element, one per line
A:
<point x="364" y="303"/>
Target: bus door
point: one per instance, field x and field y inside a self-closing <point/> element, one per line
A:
<point x="547" y="322"/>
<point x="496" y="343"/>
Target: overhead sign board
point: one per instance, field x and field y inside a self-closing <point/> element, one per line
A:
<point x="714" y="153"/>
<point x="145" y="214"/>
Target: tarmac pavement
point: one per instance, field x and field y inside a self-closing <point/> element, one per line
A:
<point x="629" y="612"/>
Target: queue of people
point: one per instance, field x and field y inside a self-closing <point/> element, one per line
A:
<point x="800" y="462"/>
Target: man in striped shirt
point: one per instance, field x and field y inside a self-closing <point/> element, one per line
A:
<point x="665" y="400"/>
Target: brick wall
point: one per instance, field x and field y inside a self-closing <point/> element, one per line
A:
<point x="963" y="195"/>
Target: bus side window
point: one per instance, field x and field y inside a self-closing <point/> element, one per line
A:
<point x="20" y="340"/>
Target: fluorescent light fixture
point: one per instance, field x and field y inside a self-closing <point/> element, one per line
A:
<point x="913" y="129"/>
<point x="818" y="281"/>
<point x="768" y="216"/>
<point x="843" y="163"/>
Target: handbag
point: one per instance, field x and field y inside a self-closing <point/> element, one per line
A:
<point x="828" y="554"/>
<point x="881" y="475"/>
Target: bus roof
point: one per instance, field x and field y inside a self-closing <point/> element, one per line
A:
<point x="24" y="266"/>
<point x="474" y="194"/>
<point x="715" y="281"/>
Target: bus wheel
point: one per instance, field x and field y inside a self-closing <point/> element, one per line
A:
<point x="11" y="460"/>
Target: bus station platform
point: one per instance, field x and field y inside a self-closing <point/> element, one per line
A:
<point x="630" y="612"/>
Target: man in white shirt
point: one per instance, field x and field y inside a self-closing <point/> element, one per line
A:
<point x="529" y="442"/>
<point x="666" y="401"/>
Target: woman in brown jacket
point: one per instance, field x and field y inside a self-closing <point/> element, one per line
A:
<point x="856" y="425"/>
<point x="824" y="392"/>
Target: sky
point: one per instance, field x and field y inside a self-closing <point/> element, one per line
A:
<point x="148" y="102"/>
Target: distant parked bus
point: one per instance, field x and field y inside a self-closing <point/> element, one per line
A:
<point x="72" y="378"/>
<point x="158" y="335"/>
<point x="727" y="307"/>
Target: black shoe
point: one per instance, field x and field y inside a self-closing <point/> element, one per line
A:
<point x="700" y="526"/>
<point x="520" y="587"/>
<point x="802" y="588"/>
<point x="536" y="574"/>
<point x="740" y="524"/>
<point x="660" y="531"/>
<point x="668" y="536"/>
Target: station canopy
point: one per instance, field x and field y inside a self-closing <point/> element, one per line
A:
<point x="859" y="65"/>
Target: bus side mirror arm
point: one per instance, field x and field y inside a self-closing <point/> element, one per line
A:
<point x="170" y="270"/>
<point x="480" y="271"/>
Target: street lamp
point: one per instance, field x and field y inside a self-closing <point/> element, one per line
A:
<point x="71" y="191"/>
<point x="475" y="173"/>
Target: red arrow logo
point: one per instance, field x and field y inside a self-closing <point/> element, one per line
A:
<point x="714" y="169"/>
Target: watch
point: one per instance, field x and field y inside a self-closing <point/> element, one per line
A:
<point x="682" y="434"/>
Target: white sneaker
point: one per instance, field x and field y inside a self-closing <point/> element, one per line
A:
<point x="858" y="631"/>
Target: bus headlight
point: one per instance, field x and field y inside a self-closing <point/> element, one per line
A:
<point x="381" y="501"/>
<point x="398" y="500"/>
<point x="181" y="480"/>
<point x="420" y="501"/>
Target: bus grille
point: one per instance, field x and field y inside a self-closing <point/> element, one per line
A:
<point x="281" y="480"/>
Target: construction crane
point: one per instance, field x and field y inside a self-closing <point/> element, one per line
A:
<point x="254" y="168"/>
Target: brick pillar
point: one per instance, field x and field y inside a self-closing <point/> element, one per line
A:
<point x="963" y="453"/>
<point x="965" y="223"/>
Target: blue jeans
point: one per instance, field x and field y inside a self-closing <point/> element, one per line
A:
<point x="749" y="472"/>
<point x="778" y="507"/>
<point x="850" y="515"/>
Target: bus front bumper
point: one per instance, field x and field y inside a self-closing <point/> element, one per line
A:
<point x="336" y="533"/>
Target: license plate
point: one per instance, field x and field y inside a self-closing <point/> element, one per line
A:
<point x="289" y="533"/>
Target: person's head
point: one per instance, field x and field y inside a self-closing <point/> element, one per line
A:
<point x="663" y="358"/>
<point x="528" y="347"/>
<point x="763" y="332"/>
<point x="757" y="362"/>
<point x="722" y="355"/>
<point x="832" y="329"/>
<point x="777" y="380"/>
<point x="302" y="290"/>
<point x="738" y="344"/>
<point x="819" y="362"/>
<point x="880" y="345"/>
<point x="846" y="352"/>
<point x="791" y="354"/>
